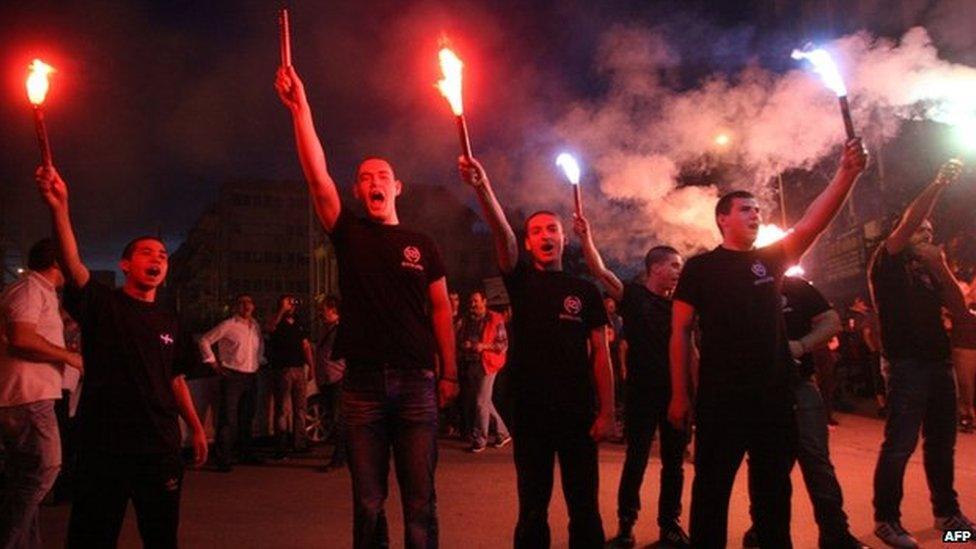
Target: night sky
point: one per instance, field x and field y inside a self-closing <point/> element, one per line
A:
<point x="156" y="104"/>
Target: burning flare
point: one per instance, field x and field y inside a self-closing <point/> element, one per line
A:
<point x="769" y="234"/>
<point x="823" y="64"/>
<point x="450" y="86"/>
<point x="37" y="83"/>
<point x="570" y="167"/>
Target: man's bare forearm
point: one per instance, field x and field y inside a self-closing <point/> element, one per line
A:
<point x="594" y="262"/>
<point x="506" y="245"/>
<point x="825" y="326"/>
<point x="443" y="327"/>
<point x="74" y="268"/>
<point x="680" y="357"/>
<point x="915" y="214"/>
<point x="29" y="345"/>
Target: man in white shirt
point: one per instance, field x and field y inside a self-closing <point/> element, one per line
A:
<point x="240" y="347"/>
<point x="32" y="358"/>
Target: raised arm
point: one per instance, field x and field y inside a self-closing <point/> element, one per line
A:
<point x="506" y="246"/>
<point x="680" y="350"/>
<point x="54" y="191"/>
<point x="325" y="195"/>
<point x="594" y="262"/>
<point x="823" y="208"/>
<point x="921" y="207"/>
<point x="441" y="318"/>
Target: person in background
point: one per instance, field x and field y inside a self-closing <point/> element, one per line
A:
<point x="290" y="353"/>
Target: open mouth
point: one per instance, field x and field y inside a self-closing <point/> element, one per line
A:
<point x="754" y="226"/>
<point x="547" y="247"/>
<point x="376" y="197"/>
<point x="154" y="271"/>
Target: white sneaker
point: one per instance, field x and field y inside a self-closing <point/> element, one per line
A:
<point x="893" y="535"/>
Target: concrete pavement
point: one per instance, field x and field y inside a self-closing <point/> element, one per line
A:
<point x="292" y="504"/>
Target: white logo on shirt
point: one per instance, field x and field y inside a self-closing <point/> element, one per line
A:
<point x="412" y="254"/>
<point x="758" y="269"/>
<point x="166" y="339"/>
<point x="573" y="305"/>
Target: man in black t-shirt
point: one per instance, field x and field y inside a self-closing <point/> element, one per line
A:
<point x="646" y="311"/>
<point x="810" y="323"/>
<point x="743" y="399"/>
<point x="396" y="319"/>
<point x="559" y="368"/>
<point x="135" y="355"/>
<point x="290" y="351"/>
<point x="911" y="283"/>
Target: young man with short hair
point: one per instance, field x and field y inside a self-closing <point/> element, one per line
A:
<point x="646" y="312"/>
<point x="240" y="349"/>
<point x="911" y="284"/>
<point x="743" y="400"/>
<point x="397" y="317"/>
<point x="135" y="357"/>
<point x="560" y="372"/>
<point x="32" y="360"/>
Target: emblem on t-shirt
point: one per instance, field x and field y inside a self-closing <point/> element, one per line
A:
<point x="572" y="306"/>
<point x="166" y="339"/>
<point x="412" y="256"/>
<point x="761" y="273"/>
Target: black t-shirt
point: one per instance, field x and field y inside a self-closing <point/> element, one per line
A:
<point x="385" y="272"/>
<point x="553" y="314"/>
<point x="745" y="367"/>
<point x="909" y="303"/>
<point x="647" y="319"/>
<point x="132" y="352"/>
<point x="802" y="302"/>
<point x="287" y="345"/>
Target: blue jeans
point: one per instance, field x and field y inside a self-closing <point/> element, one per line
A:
<point x="392" y="409"/>
<point x="33" y="454"/>
<point x="484" y="410"/>
<point x="814" y="459"/>
<point x="921" y="395"/>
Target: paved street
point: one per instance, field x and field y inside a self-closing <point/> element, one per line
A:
<point x="292" y="504"/>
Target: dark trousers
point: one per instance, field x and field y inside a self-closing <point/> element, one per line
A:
<point x="720" y="444"/>
<point x="105" y="483"/>
<point x="646" y="412"/>
<point x="535" y="452"/>
<point x="814" y="459"/>
<point x="235" y="415"/>
<point x="469" y="377"/>
<point x="392" y="410"/>
<point x="332" y="401"/>
<point x="921" y="395"/>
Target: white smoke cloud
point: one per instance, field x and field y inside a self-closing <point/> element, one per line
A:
<point x="641" y="133"/>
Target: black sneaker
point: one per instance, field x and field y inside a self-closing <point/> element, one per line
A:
<point x="842" y="541"/>
<point x="673" y="535"/>
<point x="894" y="535"/>
<point x="625" y="537"/>
<point x="750" y="538"/>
